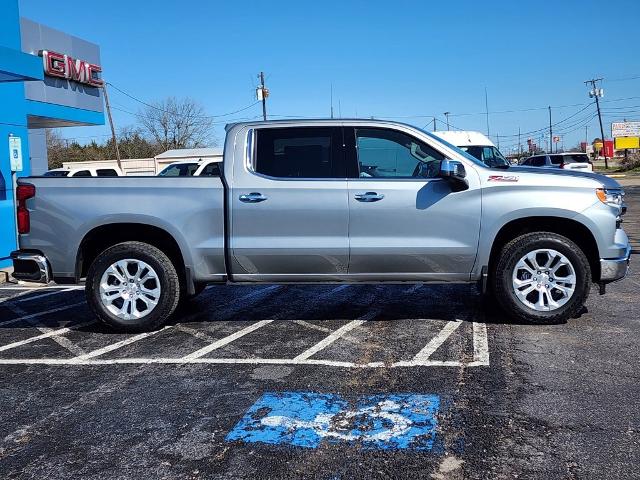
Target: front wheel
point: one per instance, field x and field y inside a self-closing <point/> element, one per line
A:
<point x="132" y="287"/>
<point x="542" y="278"/>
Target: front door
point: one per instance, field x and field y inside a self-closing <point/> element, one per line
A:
<point x="405" y="223"/>
<point x="289" y="206"/>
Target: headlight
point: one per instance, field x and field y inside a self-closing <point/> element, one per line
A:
<point x="613" y="197"/>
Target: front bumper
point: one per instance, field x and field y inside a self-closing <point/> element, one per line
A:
<point x="30" y="267"/>
<point x="612" y="269"/>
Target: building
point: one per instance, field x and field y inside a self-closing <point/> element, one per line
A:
<point x="48" y="79"/>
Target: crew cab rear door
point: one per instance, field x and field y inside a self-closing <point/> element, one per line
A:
<point x="405" y="222"/>
<point x="289" y="206"/>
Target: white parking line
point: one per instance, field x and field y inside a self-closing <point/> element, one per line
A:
<point x="435" y="343"/>
<point x="51" y="333"/>
<point x="39" y="314"/>
<point x="324" y="343"/>
<point x="115" y="346"/>
<point x="480" y="345"/>
<point x="225" y="361"/>
<point x="33" y="289"/>
<point x="226" y="340"/>
<point x="42" y="295"/>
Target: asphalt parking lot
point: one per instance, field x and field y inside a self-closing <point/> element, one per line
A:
<point x="335" y="381"/>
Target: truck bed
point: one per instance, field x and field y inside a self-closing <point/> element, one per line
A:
<point x="191" y="209"/>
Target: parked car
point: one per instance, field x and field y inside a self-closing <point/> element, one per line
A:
<point x="192" y="169"/>
<point x="477" y="145"/>
<point x="326" y="201"/>
<point x="84" y="172"/>
<point x="567" y="161"/>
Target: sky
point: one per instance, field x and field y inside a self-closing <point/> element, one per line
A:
<point x="403" y="60"/>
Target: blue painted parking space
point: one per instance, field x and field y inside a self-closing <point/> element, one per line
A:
<point x="307" y="419"/>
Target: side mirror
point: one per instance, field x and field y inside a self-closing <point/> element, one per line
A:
<point x="454" y="172"/>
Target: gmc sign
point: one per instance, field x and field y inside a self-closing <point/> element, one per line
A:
<point x="64" y="66"/>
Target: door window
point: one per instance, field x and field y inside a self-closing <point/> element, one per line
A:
<point x="313" y="152"/>
<point x="537" y="161"/>
<point x="82" y="173"/>
<point x="390" y="154"/>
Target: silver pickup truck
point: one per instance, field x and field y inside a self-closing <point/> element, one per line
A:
<point x="326" y="201"/>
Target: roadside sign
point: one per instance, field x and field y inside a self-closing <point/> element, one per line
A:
<point x="625" y="129"/>
<point x="15" y="153"/>
<point x="623" y="143"/>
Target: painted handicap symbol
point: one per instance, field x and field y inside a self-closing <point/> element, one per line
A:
<point x="306" y="419"/>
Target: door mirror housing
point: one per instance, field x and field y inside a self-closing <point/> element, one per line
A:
<point x="454" y="173"/>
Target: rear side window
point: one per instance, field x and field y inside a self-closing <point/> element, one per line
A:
<point x="309" y="152"/>
<point x="57" y="173"/>
<point x="82" y="173"/>
<point x="211" y="170"/>
<point x="106" y="172"/>
<point x="577" y="158"/>
<point x="179" y="170"/>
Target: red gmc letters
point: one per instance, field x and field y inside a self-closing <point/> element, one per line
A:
<point x="64" y="66"/>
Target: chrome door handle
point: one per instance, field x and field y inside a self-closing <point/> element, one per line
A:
<point x="369" y="197"/>
<point x="253" y="197"/>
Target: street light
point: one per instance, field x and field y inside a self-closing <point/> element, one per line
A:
<point x="446" y="114"/>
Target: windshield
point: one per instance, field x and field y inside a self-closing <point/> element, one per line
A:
<point x="453" y="147"/>
<point x="179" y="170"/>
<point x="490" y="156"/>
<point x="56" y="173"/>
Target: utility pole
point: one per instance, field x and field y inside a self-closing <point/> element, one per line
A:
<point x="332" y="100"/>
<point x="586" y="136"/>
<point x="550" y="132"/>
<point x="434" y="124"/>
<point x="262" y="94"/>
<point x="598" y="92"/>
<point x="113" y="130"/>
<point x="519" y="145"/>
<point x="446" y="114"/>
<point x="486" y="108"/>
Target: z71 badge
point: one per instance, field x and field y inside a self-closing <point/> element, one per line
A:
<point x="503" y="178"/>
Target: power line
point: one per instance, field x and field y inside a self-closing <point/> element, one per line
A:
<point x="176" y="113"/>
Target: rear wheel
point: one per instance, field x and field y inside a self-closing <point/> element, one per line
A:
<point x="132" y="287"/>
<point x="542" y="278"/>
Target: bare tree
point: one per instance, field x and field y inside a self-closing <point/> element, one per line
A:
<point x="177" y="123"/>
<point x="56" y="148"/>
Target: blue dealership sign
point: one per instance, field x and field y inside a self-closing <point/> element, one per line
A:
<point x="307" y="419"/>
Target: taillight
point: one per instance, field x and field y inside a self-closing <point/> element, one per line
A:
<point x="23" y="193"/>
<point x="562" y="165"/>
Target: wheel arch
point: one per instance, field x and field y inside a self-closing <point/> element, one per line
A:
<point x="572" y="229"/>
<point x="104" y="236"/>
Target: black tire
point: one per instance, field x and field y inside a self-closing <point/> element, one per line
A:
<point x="502" y="284"/>
<point x="167" y="278"/>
